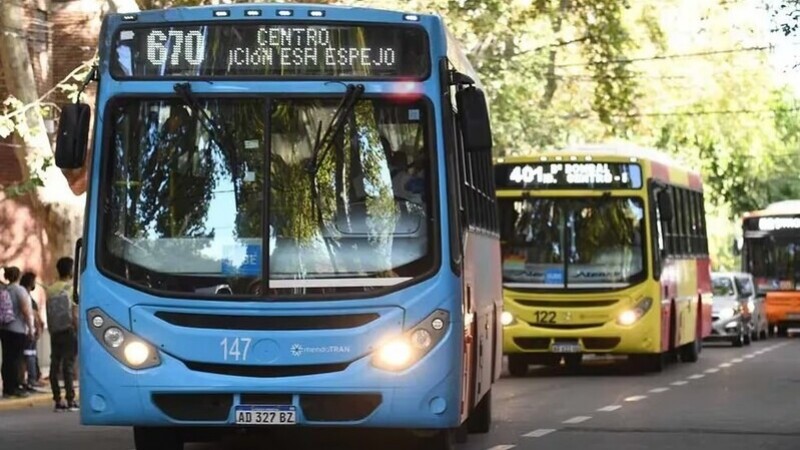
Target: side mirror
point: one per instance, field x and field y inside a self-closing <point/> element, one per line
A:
<point x="73" y="136"/>
<point x="737" y="247"/>
<point x="665" y="206"/>
<point x="473" y="117"/>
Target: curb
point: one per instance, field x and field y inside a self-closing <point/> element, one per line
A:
<point x="29" y="402"/>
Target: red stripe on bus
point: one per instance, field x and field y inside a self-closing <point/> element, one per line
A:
<point x="660" y="171"/>
<point x="695" y="182"/>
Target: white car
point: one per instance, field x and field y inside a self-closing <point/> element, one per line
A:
<point x="755" y="309"/>
<point x="729" y="312"/>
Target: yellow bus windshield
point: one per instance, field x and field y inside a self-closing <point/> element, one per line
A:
<point x="597" y="242"/>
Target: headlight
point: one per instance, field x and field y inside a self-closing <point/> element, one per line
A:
<point x="506" y="318"/>
<point x="136" y="353"/>
<point x="726" y="313"/>
<point x="631" y="316"/>
<point x="400" y="353"/>
<point x="124" y="346"/>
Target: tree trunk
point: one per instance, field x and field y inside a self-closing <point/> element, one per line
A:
<point x="50" y="216"/>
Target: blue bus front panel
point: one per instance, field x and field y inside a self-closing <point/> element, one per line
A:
<point x="327" y="375"/>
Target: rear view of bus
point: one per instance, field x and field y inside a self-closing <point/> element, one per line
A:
<point x="771" y="253"/>
<point x="274" y="234"/>
<point x="604" y="252"/>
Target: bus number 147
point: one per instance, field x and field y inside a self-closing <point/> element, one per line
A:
<point x="235" y="349"/>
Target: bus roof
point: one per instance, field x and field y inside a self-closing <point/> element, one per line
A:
<point x="299" y="11"/>
<point x="784" y="208"/>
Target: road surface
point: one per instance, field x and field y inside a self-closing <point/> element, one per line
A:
<point x="731" y="399"/>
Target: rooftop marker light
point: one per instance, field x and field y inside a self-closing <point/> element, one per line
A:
<point x="411" y="17"/>
<point x="285" y="12"/>
<point x="316" y="13"/>
<point x="252" y="13"/>
<point x="222" y="13"/>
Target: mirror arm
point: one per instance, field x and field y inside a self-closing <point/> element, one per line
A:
<point x="91" y="76"/>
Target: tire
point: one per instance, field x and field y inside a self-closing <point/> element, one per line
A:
<point x="738" y="341"/>
<point x="783" y="331"/>
<point x="480" y="421"/>
<point x="517" y="365"/>
<point x="755" y="336"/>
<point x="147" y="438"/>
<point x="691" y="351"/>
<point x="444" y="439"/>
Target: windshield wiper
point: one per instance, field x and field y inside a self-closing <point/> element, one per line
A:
<point x="213" y="127"/>
<point x="319" y="152"/>
<point x="324" y="141"/>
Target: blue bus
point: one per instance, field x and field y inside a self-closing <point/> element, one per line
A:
<point x="290" y="221"/>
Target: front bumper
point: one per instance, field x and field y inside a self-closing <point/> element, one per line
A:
<point x="423" y="396"/>
<point x="642" y="337"/>
<point x="727" y="329"/>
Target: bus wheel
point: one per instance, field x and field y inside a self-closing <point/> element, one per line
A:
<point x="437" y="439"/>
<point x="146" y="438"/>
<point x="517" y="365"/>
<point x="480" y="421"/>
<point x="691" y="351"/>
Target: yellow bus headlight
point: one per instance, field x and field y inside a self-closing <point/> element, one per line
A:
<point x="506" y="318"/>
<point x="631" y="316"/>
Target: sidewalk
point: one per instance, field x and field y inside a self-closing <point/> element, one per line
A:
<point x="35" y="398"/>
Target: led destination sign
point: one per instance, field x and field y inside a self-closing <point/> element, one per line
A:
<point x="775" y="223"/>
<point x="567" y="175"/>
<point x="271" y="50"/>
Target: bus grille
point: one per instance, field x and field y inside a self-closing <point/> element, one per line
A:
<point x="266" y="323"/>
<point x="571" y="326"/>
<point x="529" y="343"/>
<point x="195" y="407"/>
<point x="338" y="407"/>
<point x="266" y="371"/>
<point x="600" y="343"/>
<point x="567" y="303"/>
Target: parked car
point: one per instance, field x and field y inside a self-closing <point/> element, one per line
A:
<point x="730" y="320"/>
<point x="755" y="309"/>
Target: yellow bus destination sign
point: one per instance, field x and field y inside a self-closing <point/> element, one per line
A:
<point x="274" y="50"/>
<point x="568" y="175"/>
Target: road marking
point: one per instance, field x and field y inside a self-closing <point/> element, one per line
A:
<point x="725" y="365"/>
<point x="749" y="356"/>
<point x="539" y="433"/>
<point x="659" y="390"/>
<point x="502" y="447"/>
<point x="577" y="419"/>
<point x="610" y="408"/>
<point x="679" y="383"/>
<point x="712" y="370"/>
<point x="696" y="376"/>
<point x="635" y="398"/>
<point x="737" y="360"/>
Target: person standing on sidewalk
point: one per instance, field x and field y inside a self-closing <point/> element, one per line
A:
<point x="62" y="321"/>
<point x="28" y="281"/>
<point x="16" y="326"/>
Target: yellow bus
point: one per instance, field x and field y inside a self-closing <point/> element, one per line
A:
<point x="604" y="251"/>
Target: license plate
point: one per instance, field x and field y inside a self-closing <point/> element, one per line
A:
<point x="266" y="415"/>
<point x="565" y="347"/>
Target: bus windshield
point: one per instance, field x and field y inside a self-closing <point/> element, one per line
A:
<point x="597" y="242"/>
<point x="189" y="201"/>
<point x="774" y="262"/>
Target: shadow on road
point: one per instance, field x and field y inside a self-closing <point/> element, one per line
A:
<point x="315" y="439"/>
